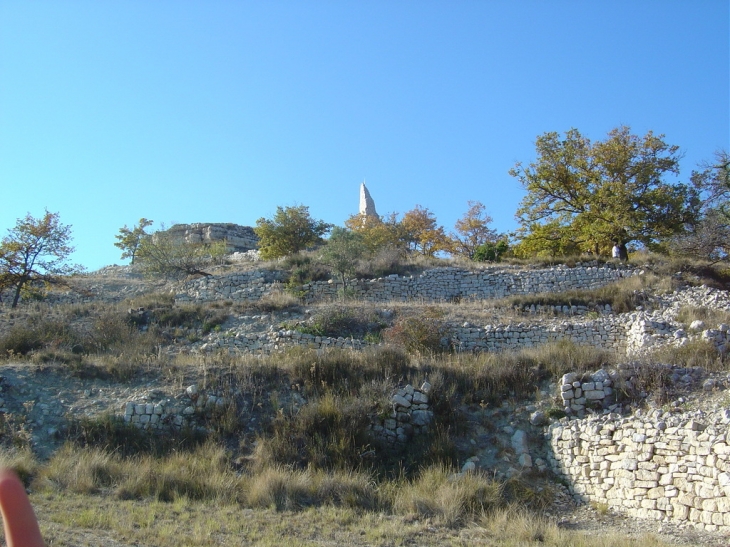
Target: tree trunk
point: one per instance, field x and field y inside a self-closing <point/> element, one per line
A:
<point x="16" y="298"/>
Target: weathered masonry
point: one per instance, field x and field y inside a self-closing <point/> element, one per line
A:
<point x="653" y="464"/>
<point x="437" y="285"/>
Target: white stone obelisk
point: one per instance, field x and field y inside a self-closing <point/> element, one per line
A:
<point x="367" y="205"/>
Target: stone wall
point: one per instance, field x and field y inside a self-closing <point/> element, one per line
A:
<point x="173" y="414"/>
<point x="608" y="332"/>
<point x="656" y="464"/>
<point x="437" y="285"/>
<point x="240" y="287"/>
<point x="411" y="415"/>
<point x="448" y="284"/>
<point x="274" y="341"/>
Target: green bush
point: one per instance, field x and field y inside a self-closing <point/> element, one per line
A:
<point x="490" y="252"/>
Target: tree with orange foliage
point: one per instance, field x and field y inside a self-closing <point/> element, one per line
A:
<point x="472" y="231"/>
<point x="422" y="234"/>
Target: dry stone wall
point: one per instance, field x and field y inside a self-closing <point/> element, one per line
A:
<point x="411" y="415"/>
<point x="437" y="285"/>
<point x="241" y="287"/>
<point x="608" y="333"/>
<point x="448" y="284"/>
<point x="173" y="414"/>
<point x="274" y="341"/>
<point x="654" y="464"/>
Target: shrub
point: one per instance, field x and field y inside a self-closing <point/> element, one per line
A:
<point x="386" y="261"/>
<point x="417" y="334"/>
<point x="347" y="372"/>
<point x="111" y="433"/>
<point x="195" y="316"/>
<point x="302" y="269"/>
<point x="39" y="333"/>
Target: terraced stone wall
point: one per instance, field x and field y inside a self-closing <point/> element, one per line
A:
<point x="608" y="332"/>
<point x="655" y="465"/>
<point x="437" y="285"/>
<point x="447" y="284"/>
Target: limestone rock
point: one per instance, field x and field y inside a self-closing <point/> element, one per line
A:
<point x="238" y="238"/>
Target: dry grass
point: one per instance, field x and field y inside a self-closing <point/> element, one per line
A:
<point x="515" y="527"/>
<point x="491" y="377"/>
<point x="21" y="460"/>
<point x="710" y="316"/>
<point x="697" y="353"/>
<point x="311" y="508"/>
<point x="448" y="499"/>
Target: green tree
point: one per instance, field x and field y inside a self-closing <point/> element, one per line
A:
<point x="163" y="255"/>
<point x="128" y="240"/>
<point x="35" y="252"/>
<point x="472" y="231"/>
<point x="549" y="239"/>
<point x="343" y="251"/>
<point x="611" y="190"/>
<point x="490" y="251"/>
<point x="291" y="230"/>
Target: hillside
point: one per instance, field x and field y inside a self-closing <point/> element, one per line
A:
<point x="480" y="373"/>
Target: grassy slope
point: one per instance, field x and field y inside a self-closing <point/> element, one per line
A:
<point x="86" y="496"/>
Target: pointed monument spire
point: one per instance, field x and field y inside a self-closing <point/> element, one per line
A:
<point x="367" y="205"/>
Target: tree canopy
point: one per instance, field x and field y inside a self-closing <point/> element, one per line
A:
<point x="378" y="233"/>
<point x="588" y="195"/>
<point x="289" y="231"/>
<point x="129" y="239"/>
<point x="422" y="233"/>
<point x="710" y="237"/>
<point x="472" y="231"/>
<point x="35" y="251"/>
<point x="343" y="250"/>
<point x="163" y="255"/>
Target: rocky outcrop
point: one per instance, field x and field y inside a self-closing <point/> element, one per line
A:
<point x="238" y="238"/>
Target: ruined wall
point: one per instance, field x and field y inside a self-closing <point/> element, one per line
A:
<point x="448" y="284"/>
<point x="437" y="285"/>
<point x="657" y="464"/>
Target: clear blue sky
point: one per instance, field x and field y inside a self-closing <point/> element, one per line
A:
<point x="218" y="111"/>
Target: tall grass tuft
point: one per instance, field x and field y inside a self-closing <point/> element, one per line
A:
<point x="447" y="498"/>
<point x="328" y="433"/>
<point x="22" y="461"/>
